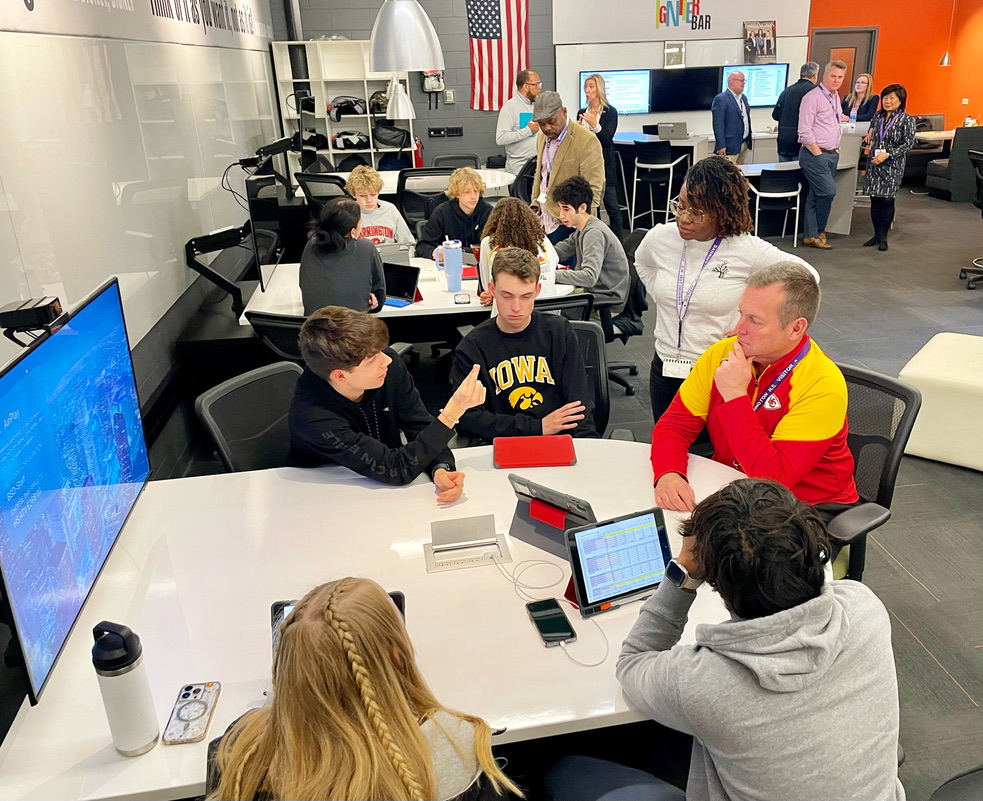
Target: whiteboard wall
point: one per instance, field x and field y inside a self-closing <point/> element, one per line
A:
<point x="111" y="158"/>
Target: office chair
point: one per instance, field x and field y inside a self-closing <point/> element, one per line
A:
<point x="966" y="786"/>
<point x="247" y="417"/>
<point x="629" y="322"/>
<point x="419" y="191"/>
<point x="974" y="274"/>
<point x="279" y="332"/>
<point x="522" y="185"/>
<point x="319" y="189"/>
<point x="575" y="306"/>
<point x="881" y="412"/>
<point x="457" y="160"/>
<point x="655" y="166"/>
<point x="591" y="340"/>
<point x="778" y="190"/>
<point x="321" y="164"/>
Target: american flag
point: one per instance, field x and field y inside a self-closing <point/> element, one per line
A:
<point x="498" y="33"/>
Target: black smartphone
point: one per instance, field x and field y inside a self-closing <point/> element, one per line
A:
<point x="551" y="622"/>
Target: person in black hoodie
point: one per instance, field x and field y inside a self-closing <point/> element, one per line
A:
<point x="530" y="361"/>
<point x="356" y="397"/>
<point x="462" y="216"/>
<point x="786" y="111"/>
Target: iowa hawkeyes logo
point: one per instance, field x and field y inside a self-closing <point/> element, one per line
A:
<point x="525" y="398"/>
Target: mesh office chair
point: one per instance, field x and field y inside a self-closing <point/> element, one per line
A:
<point x="321" y="164"/>
<point x="591" y="340"/>
<point x="629" y="322"/>
<point x="247" y="417"/>
<point x="522" y="185"/>
<point x="974" y="274"/>
<point x="419" y="191"/>
<point x="457" y="160"/>
<point x="319" y="189"/>
<point x="575" y="306"/>
<point x="655" y="166"/>
<point x="279" y="332"/>
<point x="778" y="190"/>
<point x="881" y="412"/>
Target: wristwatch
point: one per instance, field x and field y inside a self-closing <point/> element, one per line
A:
<point x="680" y="576"/>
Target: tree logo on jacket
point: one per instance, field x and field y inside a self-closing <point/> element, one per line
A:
<point x="525" y="398"/>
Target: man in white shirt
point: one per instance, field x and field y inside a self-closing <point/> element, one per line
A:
<point x="732" y="120"/>
<point x="516" y="131"/>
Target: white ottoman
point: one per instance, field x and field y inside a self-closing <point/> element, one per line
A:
<point x="949" y="373"/>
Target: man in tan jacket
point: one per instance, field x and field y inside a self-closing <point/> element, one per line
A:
<point x="563" y="149"/>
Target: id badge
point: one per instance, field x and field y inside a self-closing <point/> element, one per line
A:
<point x="676" y="368"/>
<point x="542" y="198"/>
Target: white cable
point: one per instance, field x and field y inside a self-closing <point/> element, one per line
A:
<point x="607" y="645"/>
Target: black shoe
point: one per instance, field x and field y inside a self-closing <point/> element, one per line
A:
<point x="882" y="245"/>
<point x="872" y="241"/>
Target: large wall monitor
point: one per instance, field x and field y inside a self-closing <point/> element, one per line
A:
<point x="765" y="82"/>
<point x="73" y="461"/>
<point x="626" y="90"/>
<point x="689" y="89"/>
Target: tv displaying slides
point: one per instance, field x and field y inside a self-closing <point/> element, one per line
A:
<point x="689" y="89"/>
<point x="764" y="82"/>
<point x="73" y="461"/>
<point x="626" y="90"/>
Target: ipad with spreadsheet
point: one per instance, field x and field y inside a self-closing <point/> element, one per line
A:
<point x="618" y="560"/>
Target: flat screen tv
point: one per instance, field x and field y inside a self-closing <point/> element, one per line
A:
<point x="763" y="84"/>
<point x="690" y="89"/>
<point x="73" y="461"/>
<point x="626" y="90"/>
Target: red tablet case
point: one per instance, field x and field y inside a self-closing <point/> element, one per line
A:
<point x="545" y="451"/>
<point x="469" y="271"/>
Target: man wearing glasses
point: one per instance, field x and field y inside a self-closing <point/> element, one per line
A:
<point x="516" y="131"/>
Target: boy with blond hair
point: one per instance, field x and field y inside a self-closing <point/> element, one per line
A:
<point x="381" y="220"/>
<point x="462" y="216"/>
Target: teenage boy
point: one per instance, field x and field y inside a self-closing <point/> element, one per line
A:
<point x="530" y="361"/>
<point x="356" y="397"/>
<point x="381" y="221"/>
<point x="602" y="266"/>
<point x="462" y="216"/>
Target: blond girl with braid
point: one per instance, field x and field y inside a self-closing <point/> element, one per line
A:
<point x="351" y="715"/>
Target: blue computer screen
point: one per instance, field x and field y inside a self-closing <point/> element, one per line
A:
<point x="73" y="460"/>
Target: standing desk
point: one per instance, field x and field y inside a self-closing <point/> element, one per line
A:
<point x="201" y="560"/>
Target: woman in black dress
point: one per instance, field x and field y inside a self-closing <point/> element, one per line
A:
<point x="891" y="135"/>
<point x="601" y="117"/>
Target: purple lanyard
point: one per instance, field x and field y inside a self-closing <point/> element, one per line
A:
<point x="764" y="396"/>
<point x="831" y="101"/>
<point x="682" y="303"/>
<point x="886" y="131"/>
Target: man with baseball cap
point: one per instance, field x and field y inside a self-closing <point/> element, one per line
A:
<point x="563" y="149"/>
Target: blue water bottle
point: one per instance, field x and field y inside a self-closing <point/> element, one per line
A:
<point x="453" y="264"/>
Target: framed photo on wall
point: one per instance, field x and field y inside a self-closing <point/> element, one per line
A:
<point x="760" y="42"/>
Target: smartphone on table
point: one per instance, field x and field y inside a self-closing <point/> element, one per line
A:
<point x="192" y="713"/>
<point x="551" y="622"/>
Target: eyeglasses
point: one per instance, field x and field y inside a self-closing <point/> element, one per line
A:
<point x="534" y="83"/>
<point x="696" y="215"/>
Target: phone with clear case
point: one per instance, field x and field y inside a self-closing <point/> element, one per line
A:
<point x="192" y="713"/>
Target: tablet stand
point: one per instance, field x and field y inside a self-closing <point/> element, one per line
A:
<point x="543" y="525"/>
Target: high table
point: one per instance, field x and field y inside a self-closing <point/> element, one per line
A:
<point x="201" y="560"/>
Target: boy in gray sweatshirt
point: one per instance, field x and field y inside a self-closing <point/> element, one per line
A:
<point x="795" y="697"/>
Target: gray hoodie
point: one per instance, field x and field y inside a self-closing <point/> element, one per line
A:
<point x="802" y="704"/>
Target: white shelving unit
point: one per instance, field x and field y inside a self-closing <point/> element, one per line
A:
<point x="333" y="69"/>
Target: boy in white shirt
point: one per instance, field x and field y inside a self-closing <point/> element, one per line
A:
<point x="381" y="220"/>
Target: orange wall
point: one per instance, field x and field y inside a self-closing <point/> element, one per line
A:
<point x="911" y="40"/>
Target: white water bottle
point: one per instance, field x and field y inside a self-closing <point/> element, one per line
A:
<point x="118" y="659"/>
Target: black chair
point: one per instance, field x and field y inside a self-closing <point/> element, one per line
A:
<point x="319" y="189"/>
<point x="966" y="786"/>
<point x="247" y="417"/>
<point x="321" y="164"/>
<point x="457" y="160"/>
<point x="279" y="332"/>
<point x="575" y="306"/>
<point x="629" y="322"/>
<point x="778" y="190"/>
<point x="974" y="274"/>
<point x="419" y="191"/>
<point x="522" y="185"/>
<point x="590" y="336"/>
<point x="881" y="412"/>
<point x="655" y="166"/>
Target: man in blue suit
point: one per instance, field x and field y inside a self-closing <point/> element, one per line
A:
<point x="732" y="120"/>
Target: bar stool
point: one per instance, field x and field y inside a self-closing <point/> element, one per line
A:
<point x="654" y="165"/>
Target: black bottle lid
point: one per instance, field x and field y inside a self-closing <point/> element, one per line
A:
<point x="116" y="646"/>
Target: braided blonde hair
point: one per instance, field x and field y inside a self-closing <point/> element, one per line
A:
<point x="346" y="712"/>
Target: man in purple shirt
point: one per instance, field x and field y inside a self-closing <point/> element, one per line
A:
<point x="819" y="135"/>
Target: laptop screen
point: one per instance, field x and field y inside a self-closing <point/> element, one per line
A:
<point x="401" y="280"/>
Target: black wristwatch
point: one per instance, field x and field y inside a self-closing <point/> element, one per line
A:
<point x="679" y="575"/>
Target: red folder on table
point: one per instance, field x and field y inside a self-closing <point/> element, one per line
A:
<point x="545" y="451"/>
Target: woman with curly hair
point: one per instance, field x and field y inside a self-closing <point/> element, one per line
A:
<point x="513" y="224"/>
<point x="351" y="715"/>
<point x="695" y="268"/>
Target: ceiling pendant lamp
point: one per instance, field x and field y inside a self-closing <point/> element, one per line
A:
<point x="399" y="106"/>
<point x="404" y="40"/>
<point x="946" y="61"/>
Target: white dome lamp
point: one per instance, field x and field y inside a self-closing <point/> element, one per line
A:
<point x="403" y="40"/>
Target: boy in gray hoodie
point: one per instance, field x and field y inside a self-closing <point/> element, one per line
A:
<point x="795" y="697"/>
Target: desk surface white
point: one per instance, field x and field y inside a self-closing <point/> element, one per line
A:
<point x="283" y="294"/>
<point x="202" y="559"/>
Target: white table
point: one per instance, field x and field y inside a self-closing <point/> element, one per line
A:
<point x="494" y="180"/>
<point x="698" y="145"/>
<point x="201" y="560"/>
<point x="283" y="294"/>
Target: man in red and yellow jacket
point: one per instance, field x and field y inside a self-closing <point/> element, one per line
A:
<point x="773" y="403"/>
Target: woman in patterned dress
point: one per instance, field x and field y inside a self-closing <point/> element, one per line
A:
<point x="891" y="135"/>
